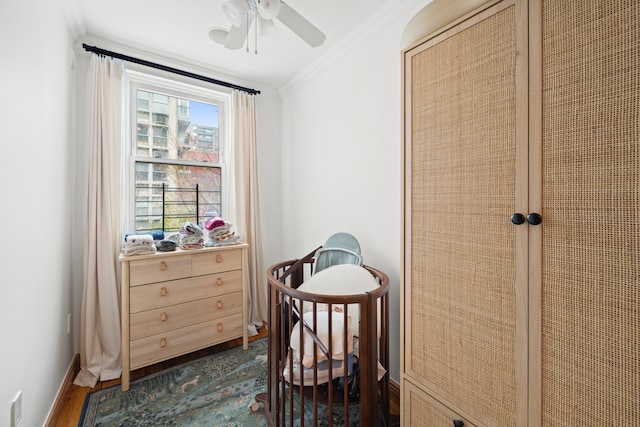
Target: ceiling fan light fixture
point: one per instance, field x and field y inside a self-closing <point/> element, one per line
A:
<point x="235" y="11"/>
<point x="266" y="26"/>
<point x="218" y="35"/>
<point x="268" y="9"/>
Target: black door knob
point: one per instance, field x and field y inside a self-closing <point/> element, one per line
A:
<point x="534" y="218"/>
<point x="458" y="423"/>
<point x="517" y="218"/>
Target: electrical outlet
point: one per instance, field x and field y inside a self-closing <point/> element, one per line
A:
<point x="68" y="323"/>
<point x="16" y="410"/>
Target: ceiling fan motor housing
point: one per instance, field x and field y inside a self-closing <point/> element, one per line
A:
<point x="268" y="9"/>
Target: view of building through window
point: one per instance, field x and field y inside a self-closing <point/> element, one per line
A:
<point x="177" y="156"/>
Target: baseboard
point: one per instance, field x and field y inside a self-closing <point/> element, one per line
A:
<point x="56" y="410"/>
<point x="394" y="397"/>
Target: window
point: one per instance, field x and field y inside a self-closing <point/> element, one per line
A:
<point x="177" y="140"/>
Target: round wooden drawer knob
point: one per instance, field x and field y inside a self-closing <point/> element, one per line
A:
<point x="163" y="291"/>
<point x="218" y="258"/>
<point x="219" y="327"/>
<point x="218" y="281"/>
<point x="219" y="304"/>
<point x="163" y="316"/>
<point x="163" y="265"/>
<point x="163" y="342"/>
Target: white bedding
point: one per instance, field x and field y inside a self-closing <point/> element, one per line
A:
<point x="304" y="351"/>
<point x="345" y="279"/>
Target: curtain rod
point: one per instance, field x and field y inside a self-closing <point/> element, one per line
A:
<point x="165" y="68"/>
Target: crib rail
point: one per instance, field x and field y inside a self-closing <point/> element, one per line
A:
<point x="294" y="399"/>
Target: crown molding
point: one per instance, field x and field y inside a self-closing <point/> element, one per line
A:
<point x="73" y="16"/>
<point x="387" y="15"/>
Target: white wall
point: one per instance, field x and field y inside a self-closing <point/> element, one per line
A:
<point x="35" y="170"/>
<point x="341" y="148"/>
<point x="269" y="170"/>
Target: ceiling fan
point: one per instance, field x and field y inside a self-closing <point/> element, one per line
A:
<point x="242" y="14"/>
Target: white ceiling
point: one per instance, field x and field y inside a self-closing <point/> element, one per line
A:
<point x="180" y="30"/>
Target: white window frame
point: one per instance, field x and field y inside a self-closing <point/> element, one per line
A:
<point x="135" y="80"/>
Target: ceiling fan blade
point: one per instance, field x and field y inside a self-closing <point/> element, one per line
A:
<point x="299" y="25"/>
<point x="238" y="35"/>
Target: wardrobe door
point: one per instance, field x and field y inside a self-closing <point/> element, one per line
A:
<point x="465" y="261"/>
<point x="590" y="294"/>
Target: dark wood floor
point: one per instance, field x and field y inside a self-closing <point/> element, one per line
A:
<point x="73" y="402"/>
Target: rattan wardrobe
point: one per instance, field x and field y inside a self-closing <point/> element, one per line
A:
<point x="521" y="279"/>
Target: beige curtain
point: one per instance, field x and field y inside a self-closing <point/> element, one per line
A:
<point x="244" y="204"/>
<point x="100" y="317"/>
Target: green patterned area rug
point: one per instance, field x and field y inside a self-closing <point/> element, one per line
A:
<point x="215" y="390"/>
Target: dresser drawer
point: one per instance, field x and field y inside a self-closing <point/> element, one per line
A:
<point x="158" y="295"/>
<point x="152" y="322"/>
<point x="147" y="351"/>
<point x="216" y="261"/>
<point x="160" y="269"/>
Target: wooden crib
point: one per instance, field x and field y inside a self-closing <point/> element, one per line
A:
<point x="305" y="396"/>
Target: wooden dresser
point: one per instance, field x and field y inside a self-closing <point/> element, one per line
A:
<point x="174" y="303"/>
